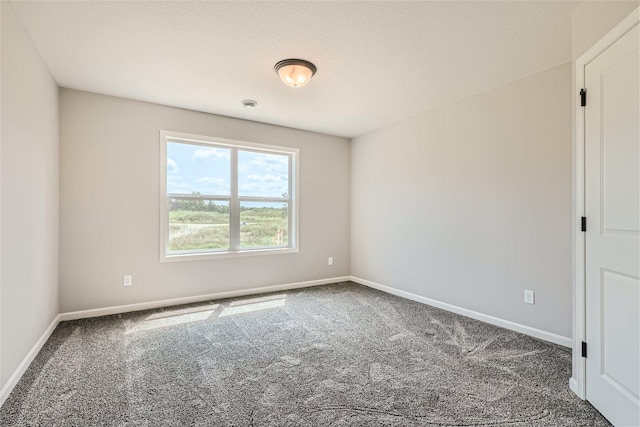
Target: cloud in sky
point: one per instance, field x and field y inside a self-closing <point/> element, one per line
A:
<point x="177" y="186"/>
<point x="205" y="153"/>
<point x="271" y="163"/>
<point x="261" y="187"/>
<point x="211" y="180"/>
<point x="213" y="186"/>
<point x="172" y="166"/>
<point x="263" y="174"/>
<point x="250" y="189"/>
<point x="207" y="170"/>
<point x="278" y="167"/>
<point x="268" y="160"/>
<point x="267" y="178"/>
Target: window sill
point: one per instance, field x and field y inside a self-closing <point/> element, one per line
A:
<point x="229" y="254"/>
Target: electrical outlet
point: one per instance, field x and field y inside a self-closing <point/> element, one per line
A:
<point x="529" y="297"/>
<point x="127" y="280"/>
<point x="330" y="261"/>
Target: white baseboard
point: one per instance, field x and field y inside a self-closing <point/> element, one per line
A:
<point x="573" y="385"/>
<point x="527" y="330"/>
<point x="198" y="298"/>
<point x="22" y="367"/>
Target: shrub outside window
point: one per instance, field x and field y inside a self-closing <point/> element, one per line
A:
<point x="221" y="197"/>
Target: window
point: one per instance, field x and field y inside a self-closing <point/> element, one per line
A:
<point x="225" y="198"/>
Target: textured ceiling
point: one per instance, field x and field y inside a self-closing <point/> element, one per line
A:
<point x="378" y="62"/>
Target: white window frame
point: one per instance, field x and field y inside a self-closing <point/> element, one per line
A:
<point x="234" y="199"/>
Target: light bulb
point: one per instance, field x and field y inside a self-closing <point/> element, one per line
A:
<point x="295" y="72"/>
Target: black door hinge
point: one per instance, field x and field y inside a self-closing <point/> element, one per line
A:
<point x="584" y="349"/>
<point x="583" y="97"/>
<point x="583" y="224"/>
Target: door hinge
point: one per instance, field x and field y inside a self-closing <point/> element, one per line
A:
<point x="583" y="224"/>
<point x="584" y="349"/>
<point x="583" y="97"/>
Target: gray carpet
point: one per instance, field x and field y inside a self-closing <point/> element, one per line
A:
<point x="335" y="355"/>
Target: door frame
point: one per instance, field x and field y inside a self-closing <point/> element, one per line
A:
<point x="578" y="383"/>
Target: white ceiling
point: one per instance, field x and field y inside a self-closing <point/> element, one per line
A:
<point x="378" y="62"/>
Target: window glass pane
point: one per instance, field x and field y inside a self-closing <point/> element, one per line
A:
<point x="198" y="225"/>
<point x="196" y="169"/>
<point x="263" y="175"/>
<point x="263" y="224"/>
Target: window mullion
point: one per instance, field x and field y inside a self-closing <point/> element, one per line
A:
<point x="198" y="197"/>
<point x="264" y="199"/>
<point x="234" y="208"/>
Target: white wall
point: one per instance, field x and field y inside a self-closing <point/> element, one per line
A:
<point x="29" y="208"/>
<point x="109" y="205"/>
<point x="470" y="204"/>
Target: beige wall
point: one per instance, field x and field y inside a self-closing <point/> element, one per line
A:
<point x="109" y="205"/>
<point x="29" y="181"/>
<point x="593" y="19"/>
<point x="470" y="204"/>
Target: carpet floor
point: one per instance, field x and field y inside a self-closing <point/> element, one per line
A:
<point x="334" y="355"/>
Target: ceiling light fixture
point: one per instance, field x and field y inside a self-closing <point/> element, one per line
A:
<point x="295" y="72"/>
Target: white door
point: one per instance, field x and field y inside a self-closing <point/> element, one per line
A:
<point x="612" y="205"/>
